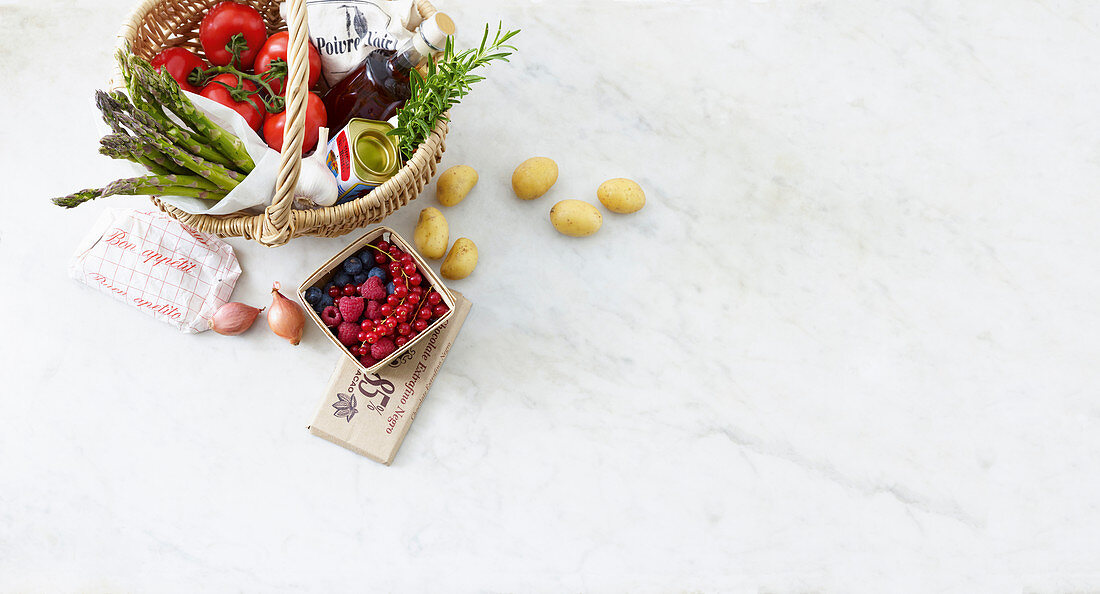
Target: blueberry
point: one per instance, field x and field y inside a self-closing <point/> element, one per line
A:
<point x="326" y="300"/>
<point x="341" y="279"/>
<point x="328" y="286"/>
<point x="377" y="271"/>
<point x="389" y="289"/>
<point x="360" y="278"/>
<point x="353" y="265"/>
<point x="313" y="295"/>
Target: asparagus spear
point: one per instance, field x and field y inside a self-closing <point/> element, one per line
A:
<point x="113" y="104"/>
<point x="141" y="98"/>
<point x="77" y="198"/>
<point x="145" y="162"/>
<point x="167" y="92"/>
<point x="225" y="178"/>
<point x="118" y="146"/>
<point x="153" y="185"/>
<point x="121" y="146"/>
<point x="159" y="185"/>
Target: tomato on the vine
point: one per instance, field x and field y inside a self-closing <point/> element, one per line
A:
<point x="251" y="109"/>
<point x="179" y="63"/>
<point x="315" y="118"/>
<point x="275" y="49"/>
<point x="230" y="27"/>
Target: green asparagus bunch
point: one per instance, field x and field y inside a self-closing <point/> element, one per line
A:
<point x="198" y="159"/>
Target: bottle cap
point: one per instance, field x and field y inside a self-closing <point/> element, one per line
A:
<point x="435" y="30"/>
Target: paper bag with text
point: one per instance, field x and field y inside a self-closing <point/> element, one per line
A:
<point x="370" y="414"/>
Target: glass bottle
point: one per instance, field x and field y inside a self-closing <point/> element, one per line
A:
<point x="380" y="85"/>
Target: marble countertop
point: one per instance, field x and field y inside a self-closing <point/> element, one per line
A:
<point x="850" y="344"/>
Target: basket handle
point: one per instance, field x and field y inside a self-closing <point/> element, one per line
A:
<point x="275" y="225"/>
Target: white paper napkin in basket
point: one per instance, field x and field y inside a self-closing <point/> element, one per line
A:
<point x="258" y="189"/>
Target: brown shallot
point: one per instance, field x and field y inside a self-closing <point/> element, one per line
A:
<point x="233" y="318"/>
<point x="285" y="317"/>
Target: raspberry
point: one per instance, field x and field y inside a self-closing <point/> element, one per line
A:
<point x="368" y="360"/>
<point x="374" y="310"/>
<point x="373" y="289"/>
<point x="351" y="308"/>
<point x="382" y="348"/>
<point x="348" y="333"/>
<point x="331" y="316"/>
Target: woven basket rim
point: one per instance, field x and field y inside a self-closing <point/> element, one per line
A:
<point x="373" y="207"/>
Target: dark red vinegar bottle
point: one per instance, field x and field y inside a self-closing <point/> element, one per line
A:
<point x="380" y="85"/>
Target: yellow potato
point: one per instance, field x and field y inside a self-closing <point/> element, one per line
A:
<point x="621" y="195"/>
<point x="461" y="261"/>
<point x="432" y="234"/>
<point x="534" y="177"/>
<point x="454" y="184"/>
<point x="575" y="218"/>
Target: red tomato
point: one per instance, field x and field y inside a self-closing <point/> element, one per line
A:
<point x="252" y="109"/>
<point x="180" y="63"/>
<point x="225" y="21"/>
<point x="275" y="49"/>
<point x="315" y="118"/>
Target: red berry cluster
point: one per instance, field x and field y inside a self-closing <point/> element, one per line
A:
<point x="372" y="323"/>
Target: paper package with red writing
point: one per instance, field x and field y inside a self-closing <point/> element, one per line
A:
<point x="157" y="265"/>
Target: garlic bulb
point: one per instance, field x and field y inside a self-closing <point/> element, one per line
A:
<point x="316" y="182"/>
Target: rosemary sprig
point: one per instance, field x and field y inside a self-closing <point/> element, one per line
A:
<point x="447" y="81"/>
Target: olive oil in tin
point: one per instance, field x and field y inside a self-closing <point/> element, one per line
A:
<point x="362" y="156"/>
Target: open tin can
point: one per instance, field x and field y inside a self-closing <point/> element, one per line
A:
<point x="329" y="269"/>
<point x="362" y="156"/>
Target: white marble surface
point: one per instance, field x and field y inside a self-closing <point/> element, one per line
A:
<point x="850" y="345"/>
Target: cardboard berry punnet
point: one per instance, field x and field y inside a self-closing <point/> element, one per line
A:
<point x="329" y="269"/>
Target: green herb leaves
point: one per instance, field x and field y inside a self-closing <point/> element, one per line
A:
<point x="447" y="81"/>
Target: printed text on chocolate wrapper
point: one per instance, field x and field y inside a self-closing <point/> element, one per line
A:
<point x="410" y="386"/>
<point x="373" y="386"/>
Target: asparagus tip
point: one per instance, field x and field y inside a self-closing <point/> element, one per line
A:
<point x="77" y="198"/>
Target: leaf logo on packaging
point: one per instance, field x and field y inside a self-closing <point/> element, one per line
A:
<point x="345" y="406"/>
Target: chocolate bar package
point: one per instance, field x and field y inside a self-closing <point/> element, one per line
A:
<point x="369" y="414"/>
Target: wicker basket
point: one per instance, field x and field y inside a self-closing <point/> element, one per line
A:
<point x="158" y="24"/>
